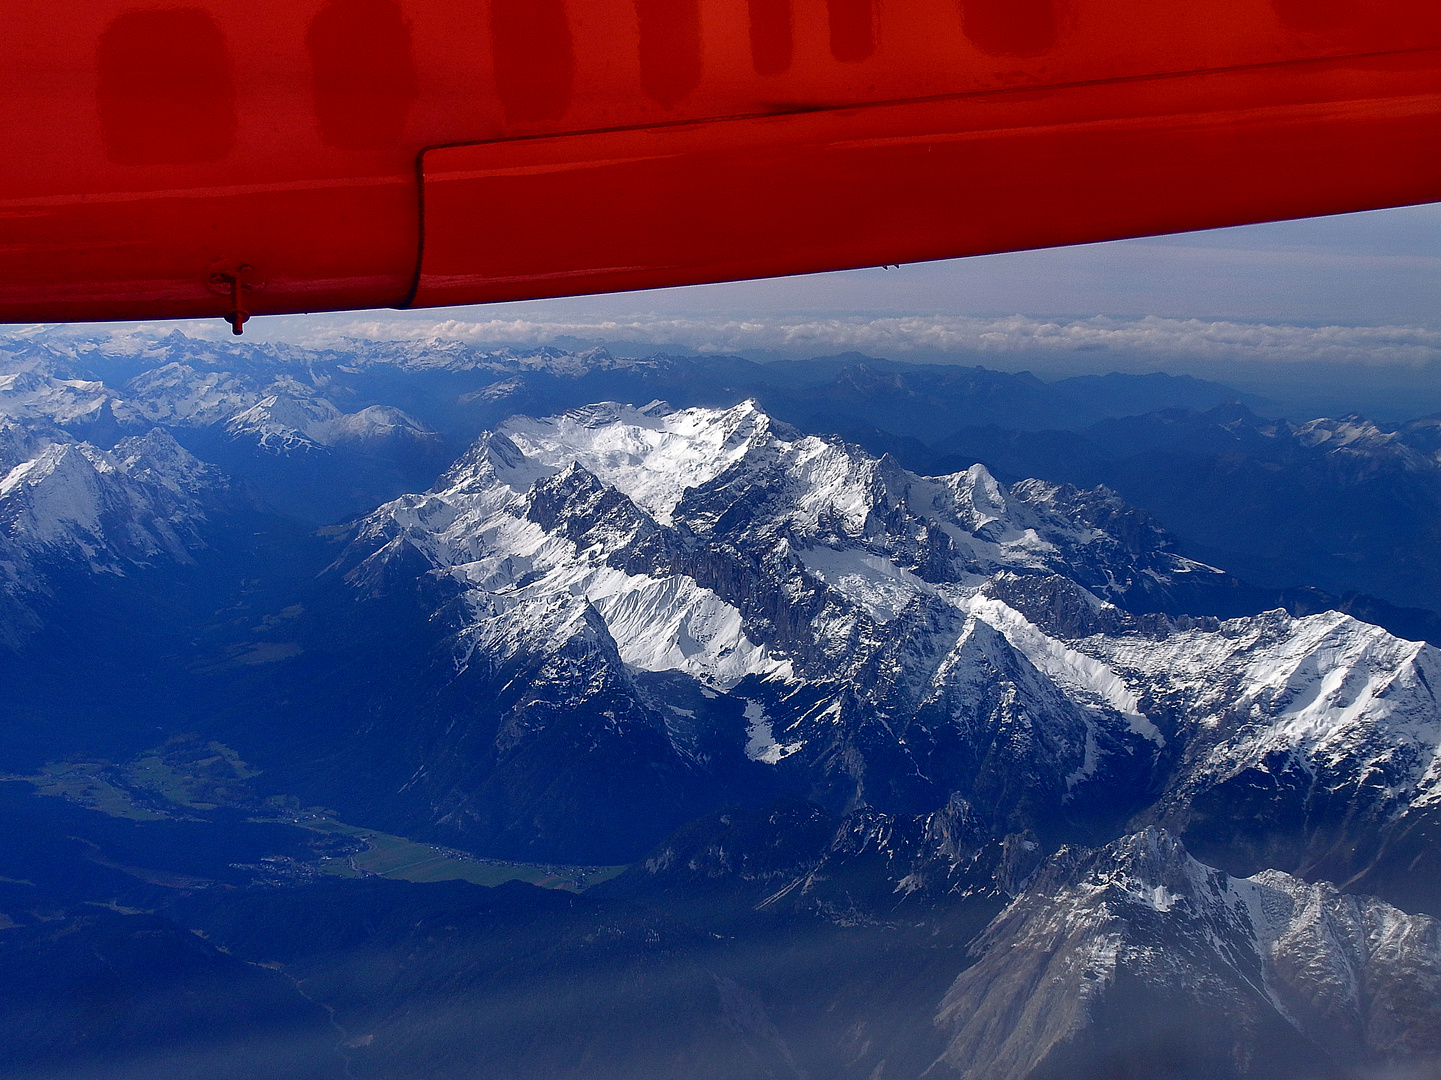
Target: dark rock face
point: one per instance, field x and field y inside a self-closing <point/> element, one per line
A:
<point x="573" y="758"/>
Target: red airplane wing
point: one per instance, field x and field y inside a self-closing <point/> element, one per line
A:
<point x="185" y="161"/>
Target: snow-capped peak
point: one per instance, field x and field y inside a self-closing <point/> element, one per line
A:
<point x="652" y="454"/>
<point x="480" y="525"/>
<point x="67" y="500"/>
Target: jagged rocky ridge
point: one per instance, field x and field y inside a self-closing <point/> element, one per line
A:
<point x="1138" y="957"/>
<point x="1132" y="958"/>
<point x="725" y="610"/>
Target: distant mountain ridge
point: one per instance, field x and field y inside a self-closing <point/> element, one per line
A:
<point x="175" y="378"/>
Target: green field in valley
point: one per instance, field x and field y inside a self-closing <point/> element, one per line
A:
<point x="184" y="778"/>
<point x="396" y="857"/>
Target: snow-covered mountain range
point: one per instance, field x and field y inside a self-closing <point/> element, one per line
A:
<point x="723" y="602"/>
<point x="1235" y="488"/>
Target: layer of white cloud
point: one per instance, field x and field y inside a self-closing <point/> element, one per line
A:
<point x="929" y="337"/>
<point x="1357" y="290"/>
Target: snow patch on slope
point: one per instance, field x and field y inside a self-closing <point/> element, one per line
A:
<point x="761" y="744"/>
<point x="1087" y="678"/>
<point x="873" y="582"/>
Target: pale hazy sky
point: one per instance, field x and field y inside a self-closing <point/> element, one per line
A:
<point x="1375" y="269"/>
<point x="1383" y="266"/>
<point x="1350" y="299"/>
